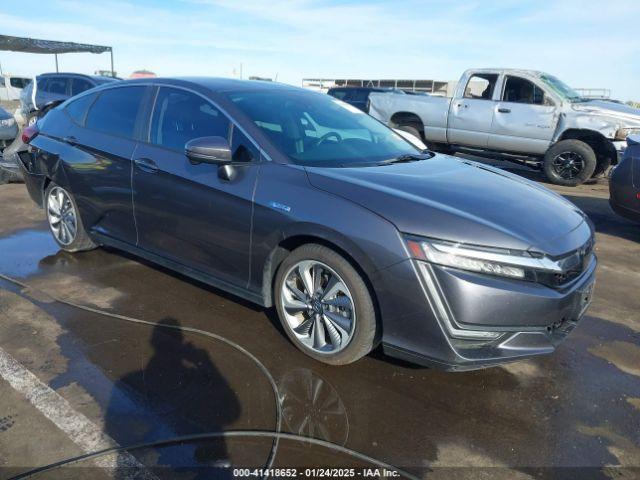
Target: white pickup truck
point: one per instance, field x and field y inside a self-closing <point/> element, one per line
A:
<point x="520" y="115"/>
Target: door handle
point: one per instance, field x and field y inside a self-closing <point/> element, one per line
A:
<point x="504" y="110"/>
<point x="146" y="165"/>
<point x="71" y="140"/>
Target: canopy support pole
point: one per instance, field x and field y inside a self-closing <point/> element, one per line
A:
<point x="56" y="55"/>
<point x="113" y="73"/>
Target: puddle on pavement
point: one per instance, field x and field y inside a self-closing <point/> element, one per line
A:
<point x="21" y="252"/>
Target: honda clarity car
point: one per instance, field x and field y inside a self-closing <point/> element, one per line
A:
<point x="296" y="200"/>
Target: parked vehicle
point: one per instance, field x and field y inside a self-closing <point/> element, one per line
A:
<point x="11" y="86"/>
<point x="51" y="89"/>
<point x="292" y="198"/>
<point x="8" y="129"/>
<point x="518" y="113"/>
<point x="357" y="96"/>
<point x="8" y="132"/>
<point x="624" y="184"/>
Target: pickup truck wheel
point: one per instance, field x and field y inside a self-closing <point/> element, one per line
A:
<point x="569" y="163"/>
<point x="325" y="306"/>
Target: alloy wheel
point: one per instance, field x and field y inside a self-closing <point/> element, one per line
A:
<point x="318" y="307"/>
<point x="568" y="164"/>
<point x="62" y="216"/>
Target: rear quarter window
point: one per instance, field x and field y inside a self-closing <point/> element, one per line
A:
<point x="115" y="110"/>
<point x="77" y="109"/>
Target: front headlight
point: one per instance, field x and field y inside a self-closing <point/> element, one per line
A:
<point x="623" y="133"/>
<point x="492" y="261"/>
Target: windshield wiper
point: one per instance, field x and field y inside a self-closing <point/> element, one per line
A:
<point x="406" y="158"/>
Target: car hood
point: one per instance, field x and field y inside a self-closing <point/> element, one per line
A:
<point x="610" y="109"/>
<point x="461" y="201"/>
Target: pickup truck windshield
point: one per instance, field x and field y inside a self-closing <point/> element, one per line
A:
<point x="319" y="130"/>
<point x="561" y="88"/>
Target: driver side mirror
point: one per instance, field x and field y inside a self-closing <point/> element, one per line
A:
<point x="214" y="150"/>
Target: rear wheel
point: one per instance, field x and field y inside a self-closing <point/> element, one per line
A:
<point x="65" y="223"/>
<point x="325" y="306"/>
<point x="569" y="163"/>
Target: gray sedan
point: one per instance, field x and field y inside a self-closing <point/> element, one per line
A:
<point x="294" y="199"/>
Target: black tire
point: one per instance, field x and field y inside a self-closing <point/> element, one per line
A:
<point x="602" y="167"/>
<point x="81" y="241"/>
<point x="558" y="169"/>
<point x="364" y="337"/>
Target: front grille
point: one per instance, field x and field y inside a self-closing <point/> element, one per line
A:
<point x="576" y="263"/>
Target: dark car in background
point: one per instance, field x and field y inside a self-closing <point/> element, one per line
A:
<point x="50" y="89"/>
<point x="624" y="184"/>
<point x="288" y="198"/>
<point x="356" y="96"/>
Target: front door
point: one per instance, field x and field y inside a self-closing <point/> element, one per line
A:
<point x="470" y="116"/>
<point x="187" y="212"/>
<point x="524" y="119"/>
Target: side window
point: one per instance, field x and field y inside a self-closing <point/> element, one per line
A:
<point x="79" y="85"/>
<point x="481" y="86"/>
<point x="242" y="150"/>
<point x="339" y="94"/>
<point x="57" y="86"/>
<point x="360" y="95"/>
<point x="78" y="108"/>
<point x="43" y="85"/>
<point x="180" y="116"/>
<point x="519" y="90"/>
<point x="115" y="111"/>
<point x="18" y="82"/>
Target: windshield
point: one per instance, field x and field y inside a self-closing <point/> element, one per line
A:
<point x="561" y="88"/>
<point x="318" y="130"/>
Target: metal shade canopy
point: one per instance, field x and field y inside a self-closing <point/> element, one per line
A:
<point x="34" y="45"/>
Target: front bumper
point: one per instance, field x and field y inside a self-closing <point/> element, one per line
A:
<point x="530" y="319"/>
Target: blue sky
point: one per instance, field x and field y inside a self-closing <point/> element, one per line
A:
<point x="586" y="43"/>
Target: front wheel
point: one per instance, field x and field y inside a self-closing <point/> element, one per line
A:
<point x="325" y="306"/>
<point x="64" y="220"/>
<point x="569" y="163"/>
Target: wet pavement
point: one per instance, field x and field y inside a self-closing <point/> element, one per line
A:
<point x="170" y="378"/>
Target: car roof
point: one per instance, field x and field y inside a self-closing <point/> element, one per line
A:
<point x="72" y="74"/>
<point x="213" y="84"/>
<point x="506" y="71"/>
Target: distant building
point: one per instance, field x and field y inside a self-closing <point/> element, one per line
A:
<point x="143" y="74"/>
<point x="432" y="87"/>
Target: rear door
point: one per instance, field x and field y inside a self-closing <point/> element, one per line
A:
<point x="471" y="115"/>
<point x="99" y="169"/>
<point x="524" y="118"/>
<point x="185" y="211"/>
